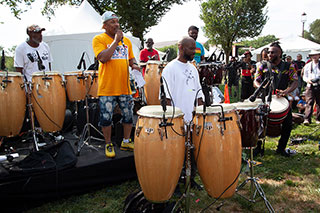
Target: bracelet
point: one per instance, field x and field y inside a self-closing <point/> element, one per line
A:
<point x="135" y="63"/>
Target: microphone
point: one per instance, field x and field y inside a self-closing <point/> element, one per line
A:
<point x="40" y="64"/>
<point x="3" y="61"/>
<point x="165" y="55"/>
<point x="253" y="97"/>
<point x="163" y="96"/>
<point x="80" y="62"/>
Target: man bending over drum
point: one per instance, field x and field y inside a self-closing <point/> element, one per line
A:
<point x="285" y="81"/>
<point x="31" y="54"/>
<point x="114" y="52"/>
<point x="148" y="53"/>
<point x="182" y="84"/>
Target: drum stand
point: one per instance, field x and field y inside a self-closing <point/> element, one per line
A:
<point x="255" y="186"/>
<point x="85" y="137"/>
<point x="29" y="105"/>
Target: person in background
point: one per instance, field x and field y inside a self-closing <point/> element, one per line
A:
<point x="114" y="52"/>
<point x="32" y="55"/>
<point x="193" y="33"/>
<point x="300" y="64"/>
<point x="233" y="76"/>
<point x="311" y="75"/>
<point x="148" y="53"/>
<point x="301" y="105"/>
<point x="248" y="68"/>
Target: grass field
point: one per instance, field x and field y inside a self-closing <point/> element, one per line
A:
<point x="290" y="184"/>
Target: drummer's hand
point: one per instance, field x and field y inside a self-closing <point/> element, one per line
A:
<point x="281" y="93"/>
<point x="135" y="67"/>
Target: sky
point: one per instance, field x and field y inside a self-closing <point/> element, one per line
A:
<point x="284" y="20"/>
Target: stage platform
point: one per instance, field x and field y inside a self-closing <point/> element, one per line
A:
<point x="23" y="187"/>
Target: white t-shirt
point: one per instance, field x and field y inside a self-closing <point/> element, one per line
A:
<point x="183" y="85"/>
<point x="311" y="71"/>
<point x="27" y="58"/>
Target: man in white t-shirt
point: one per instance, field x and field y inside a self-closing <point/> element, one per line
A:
<point x="33" y="55"/>
<point x="182" y="79"/>
<point x="182" y="84"/>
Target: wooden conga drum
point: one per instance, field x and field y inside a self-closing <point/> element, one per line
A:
<point x="12" y="103"/>
<point x="152" y="78"/>
<point x="250" y="123"/>
<point x="158" y="159"/>
<point x="49" y="100"/>
<point x="75" y="85"/>
<point x="92" y="83"/>
<point x="218" y="154"/>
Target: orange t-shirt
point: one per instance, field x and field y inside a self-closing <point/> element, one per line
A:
<point x="114" y="74"/>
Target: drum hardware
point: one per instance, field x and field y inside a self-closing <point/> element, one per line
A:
<point x="255" y="187"/>
<point x="138" y="130"/>
<point x="198" y="128"/>
<point x="85" y="137"/>
<point x="189" y="147"/>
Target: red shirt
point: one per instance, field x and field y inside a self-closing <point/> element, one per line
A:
<point x="145" y="55"/>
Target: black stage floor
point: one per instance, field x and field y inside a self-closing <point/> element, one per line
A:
<point x="23" y="186"/>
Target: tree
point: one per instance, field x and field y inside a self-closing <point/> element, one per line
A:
<point x="227" y="21"/>
<point x="15" y="5"/>
<point x="136" y="16"/>
<point x="314" y="33"/>
<point x="257" y="43"/>
<point x="173" y="51"/>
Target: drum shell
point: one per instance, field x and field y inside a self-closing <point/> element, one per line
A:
<point x="152" y="86"/>
<point x="12" y="105"/>
<point x="49" y="101"/>
<point x="75" y="85"/>
<point x="274" y="130"/>
<point x="158" y="162"/>
<point x="219" y="157"/>
<point x="249" y="127"/>
<point x="92" y="83"/>
<point x="277" y="115"/>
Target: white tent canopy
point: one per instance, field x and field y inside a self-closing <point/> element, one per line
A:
<point x="68" y="39"/>
<point x="293" y="45"/>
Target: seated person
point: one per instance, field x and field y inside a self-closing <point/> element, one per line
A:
<point x="301" y="105"/>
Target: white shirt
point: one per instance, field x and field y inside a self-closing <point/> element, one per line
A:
<point x="311" y="71"/>
<point x="27" y="58"/>
<point x="183" y="84"/>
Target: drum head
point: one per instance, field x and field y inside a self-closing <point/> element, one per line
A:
<point x="278" y="105"/>
<point x="155" y="111"/>
<point x="47" y="73"/>
<point x="216" y="109"/>
<point x="247" y="105"/>
<point x="10" y="74"/>
<point x="73" y="73"/>
<point x="154" y="62"/>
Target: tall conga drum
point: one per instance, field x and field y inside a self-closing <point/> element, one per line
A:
<point x="218" y="151"/>
<point x="158" y="159"/>
<point x="49" y="100"/>
<point x="12" y="103"/>
<point x="75" y="85"/>
<point x="279" y="110"/>
<point x="250" y="122"/>
<point x="92" y="83"/>
<point x="152" y="78"/>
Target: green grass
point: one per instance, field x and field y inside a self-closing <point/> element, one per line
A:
<point x="290" y="184"/>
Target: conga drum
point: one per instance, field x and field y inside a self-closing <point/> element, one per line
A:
<point x="75" y="85"/>
<point x="49" y="100"/>
<point x="152" y="78"/>
<point x="279" y="110"/>
<point x="218" y="150"/>
<point x="159" y="160"/>
<point x="249" y="122"/>
<point x="92" y="83"/>
<point x="12" y="103"/>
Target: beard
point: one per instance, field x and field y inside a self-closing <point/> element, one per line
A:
<point x="188" y="57"/>
<point x="275" y="59"/>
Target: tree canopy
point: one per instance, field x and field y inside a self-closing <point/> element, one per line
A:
<point x="136" y="16"/>
<point x="15" y="5"/>
<point x="227" y="21"/>
<point x="314" y="33"/>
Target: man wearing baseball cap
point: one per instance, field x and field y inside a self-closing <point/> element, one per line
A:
<point x="114" y="52"/>
<point x="32" y="55"/>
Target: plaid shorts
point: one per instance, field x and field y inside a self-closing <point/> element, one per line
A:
<point x="107" y="105"/>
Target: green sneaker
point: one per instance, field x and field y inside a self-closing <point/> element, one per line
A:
<point x="109" y="150"/>
<point x="127" y="146"/>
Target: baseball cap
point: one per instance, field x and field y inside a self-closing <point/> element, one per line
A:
<point x="35" y="28"/>
<point x="108" y="15"/>
<point x="248" y="52"/>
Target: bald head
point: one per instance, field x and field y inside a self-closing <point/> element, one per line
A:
<point x="187" y="49"/>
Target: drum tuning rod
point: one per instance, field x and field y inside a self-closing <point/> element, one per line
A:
<point x="46" y="78"/>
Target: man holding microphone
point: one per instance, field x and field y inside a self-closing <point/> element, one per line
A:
<point x="115" y="55"/>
